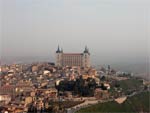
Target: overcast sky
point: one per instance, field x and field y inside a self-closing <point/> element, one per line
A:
<point x="113" y="30"/>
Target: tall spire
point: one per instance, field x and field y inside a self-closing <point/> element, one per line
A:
<point x="86" y="49"/>
<point x="58" y="50"/>
<point x="61" y="50"/>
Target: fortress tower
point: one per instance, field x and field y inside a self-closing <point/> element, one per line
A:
<point x="73" y="59"/>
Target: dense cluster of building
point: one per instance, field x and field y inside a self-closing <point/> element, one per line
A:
<point x="25" y="84"/>
<point x="29" y="87"/>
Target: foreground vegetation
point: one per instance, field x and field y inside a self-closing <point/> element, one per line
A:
<point x="126" y="87"/>
<point x="137" y="103"/>
<point x="80" y="87"/>
<point x="130" y="84"/>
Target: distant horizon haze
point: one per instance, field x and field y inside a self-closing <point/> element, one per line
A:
<point x="116" y="32"/>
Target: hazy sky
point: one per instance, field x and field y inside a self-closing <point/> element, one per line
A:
<point x="114" y="30"/>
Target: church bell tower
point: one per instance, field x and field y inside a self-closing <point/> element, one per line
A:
<point x="86" y="57"/>
<point x="59" y="57"/>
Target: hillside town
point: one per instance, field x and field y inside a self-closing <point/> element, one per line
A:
<point x="65" y="86"/>
<point x="43" y="87"/>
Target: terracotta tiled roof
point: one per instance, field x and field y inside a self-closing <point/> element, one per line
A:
<point x="7" y="86"/>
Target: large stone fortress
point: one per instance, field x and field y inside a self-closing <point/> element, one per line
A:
<point x="73" y="59"/>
